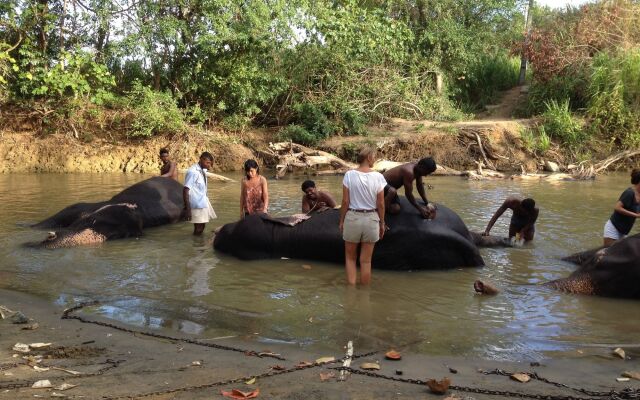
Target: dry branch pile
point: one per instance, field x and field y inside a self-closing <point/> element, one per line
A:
<point x="291" y="155"/>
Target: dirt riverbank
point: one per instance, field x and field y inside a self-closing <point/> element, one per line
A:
<point x="110" y="363"/>
<point x="453" y="145"/>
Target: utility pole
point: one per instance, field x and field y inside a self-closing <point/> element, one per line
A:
<point x="527" y="31"/>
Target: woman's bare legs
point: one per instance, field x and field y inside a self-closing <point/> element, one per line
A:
<point x="366" y="252"/>
<point x="350" y="256"/>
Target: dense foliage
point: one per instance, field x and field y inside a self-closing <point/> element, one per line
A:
<point x="325" y="66"/>
<point x="586" y="61"/>
<point x="320" y="67"/>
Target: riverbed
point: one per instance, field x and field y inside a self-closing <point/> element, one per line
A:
<point x="168" y="280"/>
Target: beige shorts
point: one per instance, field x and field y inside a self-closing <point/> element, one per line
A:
<point x="361" y="227"/>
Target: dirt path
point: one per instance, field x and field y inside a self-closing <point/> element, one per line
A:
<point x="110" y="363"/>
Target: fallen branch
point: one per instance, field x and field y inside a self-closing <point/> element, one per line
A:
<point x="213" y="176"/>
<point x="292" y="155"/>
<point x="604" y="164"/>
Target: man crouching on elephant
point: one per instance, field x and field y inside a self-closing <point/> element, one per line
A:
<point x="314" y="199"/>
<point x="404" y="175"/>
<point x="197" y="207"/>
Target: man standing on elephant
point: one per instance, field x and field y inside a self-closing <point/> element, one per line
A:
<point x="404" y="175"/>
<point x="197" y="207"/>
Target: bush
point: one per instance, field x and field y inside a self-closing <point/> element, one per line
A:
<point x="558" y="88"/>
<point x="353" y="122"/>
<point x="485" y="78"/>
<point x="535" y="140"/>
<point x="560" y="123"/>
<point x="298" y="134"/>
<point x="614" y="96"/>
<point x="315" y="120"/>
<point x="153" y="112"/>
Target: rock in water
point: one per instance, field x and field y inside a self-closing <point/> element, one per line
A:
<point x="551" y="166"/>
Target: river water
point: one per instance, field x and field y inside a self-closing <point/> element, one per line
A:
<point x="171" y="281"/>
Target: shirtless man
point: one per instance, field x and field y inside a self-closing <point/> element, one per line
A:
<point x="525" y="214"/>
<point x="314" y="199"/>
<point x="404" y="175"/>
<point x="168" y="169"/>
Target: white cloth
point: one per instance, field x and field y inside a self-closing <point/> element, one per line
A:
<point x="363" y="188"/>
<point x="611" y="232"/>
<point x="196" y="182"/>
<point x="203" y="215"/>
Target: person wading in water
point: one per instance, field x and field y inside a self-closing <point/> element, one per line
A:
<point x="362" y="215"/>
<point x="254" y="192"/>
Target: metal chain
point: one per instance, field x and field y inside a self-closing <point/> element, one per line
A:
<point x="222" y="383"/>
<point x="17" y="384"/>
<point x="626" y="394"/>
<point x="534" y="375"/>
<point x="67" y="315"/>
<point x="6" y="366"/>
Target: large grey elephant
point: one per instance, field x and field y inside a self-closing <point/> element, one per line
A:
<point x="612" y="271"/>
<point x="411" y="243"/>
<point x="152" y="202"/>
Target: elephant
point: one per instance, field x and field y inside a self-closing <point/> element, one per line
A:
<point x="610" y="271"/>
<point x="411" y="243"/>
<point x="152" y="202"/>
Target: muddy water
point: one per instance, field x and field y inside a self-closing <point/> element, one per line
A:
<point x="172" y="281"/>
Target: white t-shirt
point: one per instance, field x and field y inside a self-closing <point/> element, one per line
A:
<point x="363" y="188"/>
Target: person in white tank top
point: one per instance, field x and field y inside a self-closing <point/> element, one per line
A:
<point x="362" y="215"/>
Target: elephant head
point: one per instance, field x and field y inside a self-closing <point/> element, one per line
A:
<point x="612" y="271"/>
<point x="111" y="221"/>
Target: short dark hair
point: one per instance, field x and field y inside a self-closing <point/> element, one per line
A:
<point x="251" y="163"/>
<point x="307" y="184"/>
<point x="427" y="164"/>
<point x="528" y="204"/>
<point x="164" y="150"/>
<point x="207" y="155"/>
<point x="635" y="176"/>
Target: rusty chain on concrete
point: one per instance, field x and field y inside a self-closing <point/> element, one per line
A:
<point x="18" y="384"/>
<point x="625" y="394"/>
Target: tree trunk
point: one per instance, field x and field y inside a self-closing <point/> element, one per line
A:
<point x="523" y="58"/>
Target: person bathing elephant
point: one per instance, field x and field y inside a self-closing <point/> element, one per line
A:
<point x="607" y="271"/>
<point x="411" y="243"/>
<point x="152" y="202"/>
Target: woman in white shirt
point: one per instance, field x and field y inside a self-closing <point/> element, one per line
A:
<point x="362" y="215"/>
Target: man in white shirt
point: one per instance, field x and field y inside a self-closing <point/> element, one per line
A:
<point x="197" y="207"/>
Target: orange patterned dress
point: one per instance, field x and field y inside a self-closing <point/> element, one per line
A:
<point x="253" y="202"/>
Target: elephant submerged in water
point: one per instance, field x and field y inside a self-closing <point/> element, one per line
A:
<point x="411" y="242"/>
<point x="152" y="202"/>
<point x="611" y="271"/>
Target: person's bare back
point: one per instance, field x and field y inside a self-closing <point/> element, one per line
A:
<point x="405" y="175"/>
<point x="169" y="168"/>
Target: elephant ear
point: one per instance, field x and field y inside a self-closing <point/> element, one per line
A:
<point x="581" y="257"/>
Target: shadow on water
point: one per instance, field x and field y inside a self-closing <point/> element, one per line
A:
<point x="168" y="279"/>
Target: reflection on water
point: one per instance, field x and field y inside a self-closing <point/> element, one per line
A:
<point x="168" y="279"/>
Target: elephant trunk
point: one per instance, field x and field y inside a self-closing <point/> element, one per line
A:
<point x="86" y="236"/>
<point x="577" y="284"/>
